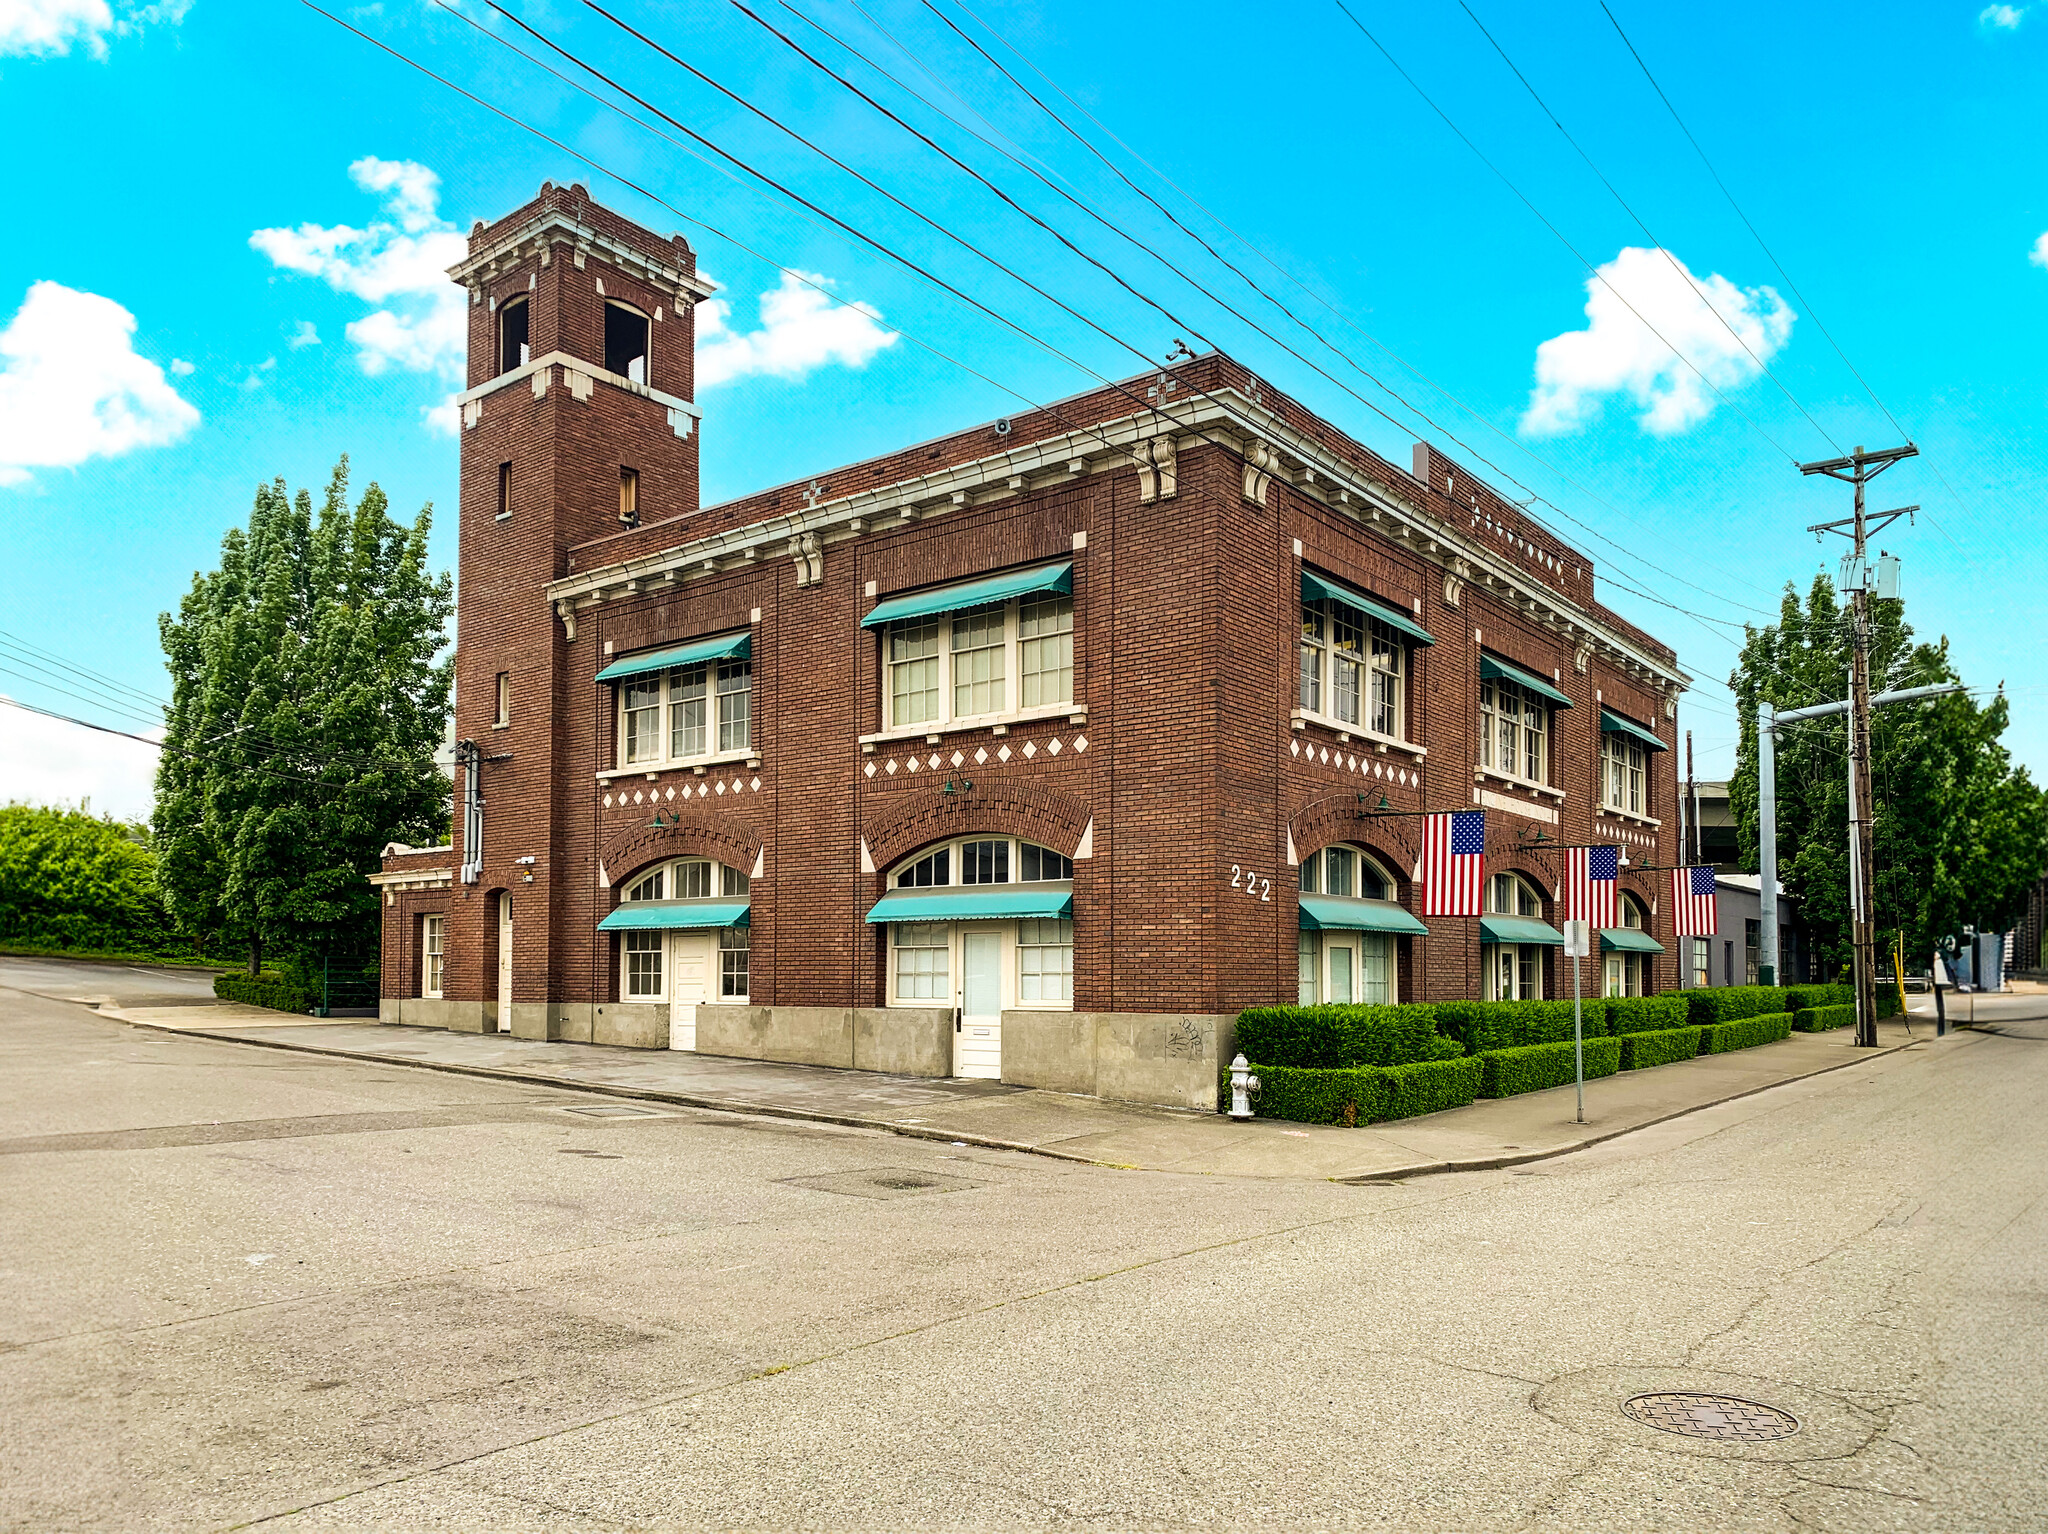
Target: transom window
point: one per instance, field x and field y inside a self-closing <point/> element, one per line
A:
<point x="981" y="663"/>
<point x="433" y="945"/>
<point x="686" y="714"/>
<point x="689" y="879"/>
<point x="1514" y="730"/>
<point x="1351" y="667"/>
<point x="985" y="860"/>
<point x="655" y="960"/>
<point x="1627" y="974"/>
<point x="1512" y="895"/>
<point x="1621" y="773"/>
<point x="1342" y="870"/>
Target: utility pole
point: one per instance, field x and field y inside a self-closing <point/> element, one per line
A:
<point x="1858" y="469"/>
<point x="1692" y="806"/>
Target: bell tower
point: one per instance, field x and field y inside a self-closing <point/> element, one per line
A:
<point x="576" y="424"/>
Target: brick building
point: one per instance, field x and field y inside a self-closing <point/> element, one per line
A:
<point x="1038" y="749"/>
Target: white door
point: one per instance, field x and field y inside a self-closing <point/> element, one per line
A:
<point x="1343" y="970"/>
<point x="692" y="958"/>
<point x="505" y="962"/>
<point x="978" y="1041"/>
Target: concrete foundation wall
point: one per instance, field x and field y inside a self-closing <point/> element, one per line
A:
<point x="1171" y="1059"/>
<point x="423" y="1012"/>
<point x="908" y="1041"/>
<point x="636" y="1025"/>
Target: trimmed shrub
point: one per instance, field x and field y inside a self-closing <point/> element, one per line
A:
<point x="1799" y="997"/>
<point x="1339" y="1037"/>
<point x="1820" y="1019"/>
<point x="1429" y="1086"/>
<point x="268" y="989"/>
<point x="1532" y="1067"/>
<point x="1640" y="1051"/>
<point x="1730" y="1003"/>
<point x="1309" y="1096"/>
<point x="1648" y="1014"/>
<point x="1744" y="1033"/>
<point x="1492" y="1025"/>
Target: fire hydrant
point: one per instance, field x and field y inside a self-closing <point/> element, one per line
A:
<point x="1242" y="1084"/>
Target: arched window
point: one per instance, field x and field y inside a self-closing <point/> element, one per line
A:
<point x="514" y="334"/>
<point x="1627" y="971"/>
<point x="693" y="950"/>
<point x="1340" y="964"/>
<point x="1513" y="971"/>
<point x="625" y="341"/>
<point x="982" y="924"/>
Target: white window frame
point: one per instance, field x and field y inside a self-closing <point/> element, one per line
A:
<point x="1624" y="774"/>
<point x="1013" y="930"/>
<point x="659" y="882"/>
<point x="1381" y="661"/>
<point x="1011" y="650"/>
<point x="433" y="956"/>
<point x="718" y="716"/>
<point x="1493" y="693"/>
<point x="1526" y="983"/>
<point x="1626" y="974"/>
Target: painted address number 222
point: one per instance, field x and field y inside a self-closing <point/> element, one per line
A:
<point x="1254" y="887"/>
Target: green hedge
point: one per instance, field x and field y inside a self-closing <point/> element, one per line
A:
<point x="1820" y="1019"/>
<point x="1640" y="1051"/>
<point x="1339" y="1037"/>
<point x="1744" y="1033"/>
<point x="1363" y="1094"/>
<point x="1532" y="1067"/>
<point x="1649" y="1014"/>
<point x="1490" y="1025"/>
<point x="1800" y="997"/>
<point x="1730" y="1003"/>
<point x="268" y="989"/>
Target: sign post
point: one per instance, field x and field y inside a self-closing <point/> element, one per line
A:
<point x="1578" y="943"/>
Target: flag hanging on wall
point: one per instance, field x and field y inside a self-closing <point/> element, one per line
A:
<point x="1453" y="863"/>
<point x="1591" y="878"/>
<point x="1692" y="902"/>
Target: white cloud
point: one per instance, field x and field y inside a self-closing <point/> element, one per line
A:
<point x="399" y="262"/>
<point x="73" y="388"/>
<point x="801" y="329"/>
<point x="180" y="368"/>
<point x="308" y="334"/>
<point x="47" y="761"/>
<point x="49" y="28"/>
<point x="2039" y="254"/>
<point x="2006" y="17"/>
<point x="1617" y="352"/>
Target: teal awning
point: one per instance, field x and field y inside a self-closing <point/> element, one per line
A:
<point x="1508" y="672"/>
<point x="1338" y="913"/>
<point x="951" y="599"/>
<point x="1628" y="940"/>
<point x="1612" y="723"/>
<point x="1320" y="588"/>
<point x="985" y="902"/>
<point x="725" y="647"/>
<point x="674" y="915"/>
<point x="1518" y="929"/>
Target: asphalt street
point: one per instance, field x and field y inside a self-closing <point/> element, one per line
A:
<point x="247" y="1286"/>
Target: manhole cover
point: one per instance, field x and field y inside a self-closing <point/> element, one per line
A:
<point x="613" y="1111"/>
<point x="1726" y="1419"/>
<point x="885" y="1182"/>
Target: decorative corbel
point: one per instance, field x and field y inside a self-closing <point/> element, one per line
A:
<point x="1581" y="655"/>
<point x="566" y="611"/>
<point x="1261" y="460"/>
<point x="814" y="558"/>
<point x="1456" y="573"/>
<point x="1158" y="460"/>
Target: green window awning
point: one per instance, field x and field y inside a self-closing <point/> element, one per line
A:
<point x="951" y="599"/>
<point x="1320" y="588"/>
<point x="1340" y="913"/>
<point x="674" y="915"/>
<point x="1628" y="940"/>
<point x="725" y="647"/>
<point x="984" y="902"/>
<point x="1509" y="672"/>
<point x="1518" y="929"/>
<point x="1612" y="723"/>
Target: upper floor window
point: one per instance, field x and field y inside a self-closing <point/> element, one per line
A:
<point x="686" y="713"/>
<point x="502" y="714"/>
<point x="982" y="662"/>
<point x="625" y="342"/>
<point x="1621" y="773"/>
<point x="1351" y="666"/>
<point x="514" y="334"/>
<point x="1514" y="730"/>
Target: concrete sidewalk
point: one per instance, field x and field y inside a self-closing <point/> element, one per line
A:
<point x="985" y="1113"/>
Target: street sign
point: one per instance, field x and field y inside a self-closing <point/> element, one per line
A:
<point x="1578" y="939"/>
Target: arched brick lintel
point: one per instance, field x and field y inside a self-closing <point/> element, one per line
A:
<point x="1039" y="814"/>
<point x="1396" y="840"/>
<point x="696" y="833"/>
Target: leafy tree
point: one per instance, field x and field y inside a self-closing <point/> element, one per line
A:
<point x="1958" y="835"/>
<point x="307" y="702"/>
<point x="72" y="879"/>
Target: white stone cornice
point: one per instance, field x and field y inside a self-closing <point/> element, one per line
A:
<point x="540" y="231"/>
<point x="539" y="366"/>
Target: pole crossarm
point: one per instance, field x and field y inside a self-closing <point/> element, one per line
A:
<point x="1876" y="522"/>
<point x="1860" y="465"/>
<point x="1903" y="695"/>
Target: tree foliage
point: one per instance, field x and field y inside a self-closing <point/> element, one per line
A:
<point x="72" y="879"/>
<point x="1958" y="834"/>
<point x="307" y="702"/>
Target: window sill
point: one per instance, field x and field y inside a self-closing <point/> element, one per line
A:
<point x="1629" y="816"/>
<point x="1351" y="734"/>
<point x="999" y="724"/>
<point x="1518" y="785"/>
<point x="696" y="764"/>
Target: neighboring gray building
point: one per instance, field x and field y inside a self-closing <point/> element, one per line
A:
<point x="1731" y="956"/>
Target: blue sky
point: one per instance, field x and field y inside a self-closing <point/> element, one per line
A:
<point x="229" y="215"/>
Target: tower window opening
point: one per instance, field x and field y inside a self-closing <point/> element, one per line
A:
<point x="629" y="496"/>
<point x="625" y="342"/>
<point x="513" y="335"/>
<point x="504" y="491"/>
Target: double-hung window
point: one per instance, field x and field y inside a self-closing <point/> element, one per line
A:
<point x="982" y="663"/>
<point x="686" y="713"/>
<point x="1514" y="730"/>
<point x="1621" y="773"/>
<point x="1352" y="666"/>
<point x="434" y="938"/>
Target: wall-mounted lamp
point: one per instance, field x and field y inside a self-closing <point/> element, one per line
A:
<point x="965" y="785"/>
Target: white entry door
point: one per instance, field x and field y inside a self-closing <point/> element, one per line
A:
<point x="978" y="1042"/>
<point x="691" y="956"/>
<point x="505" y="962"/>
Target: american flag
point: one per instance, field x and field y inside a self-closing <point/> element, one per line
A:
<point x="1453" y="862"/>
<point x="1590" y="883"/>
<point x="1692" y="902"/>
